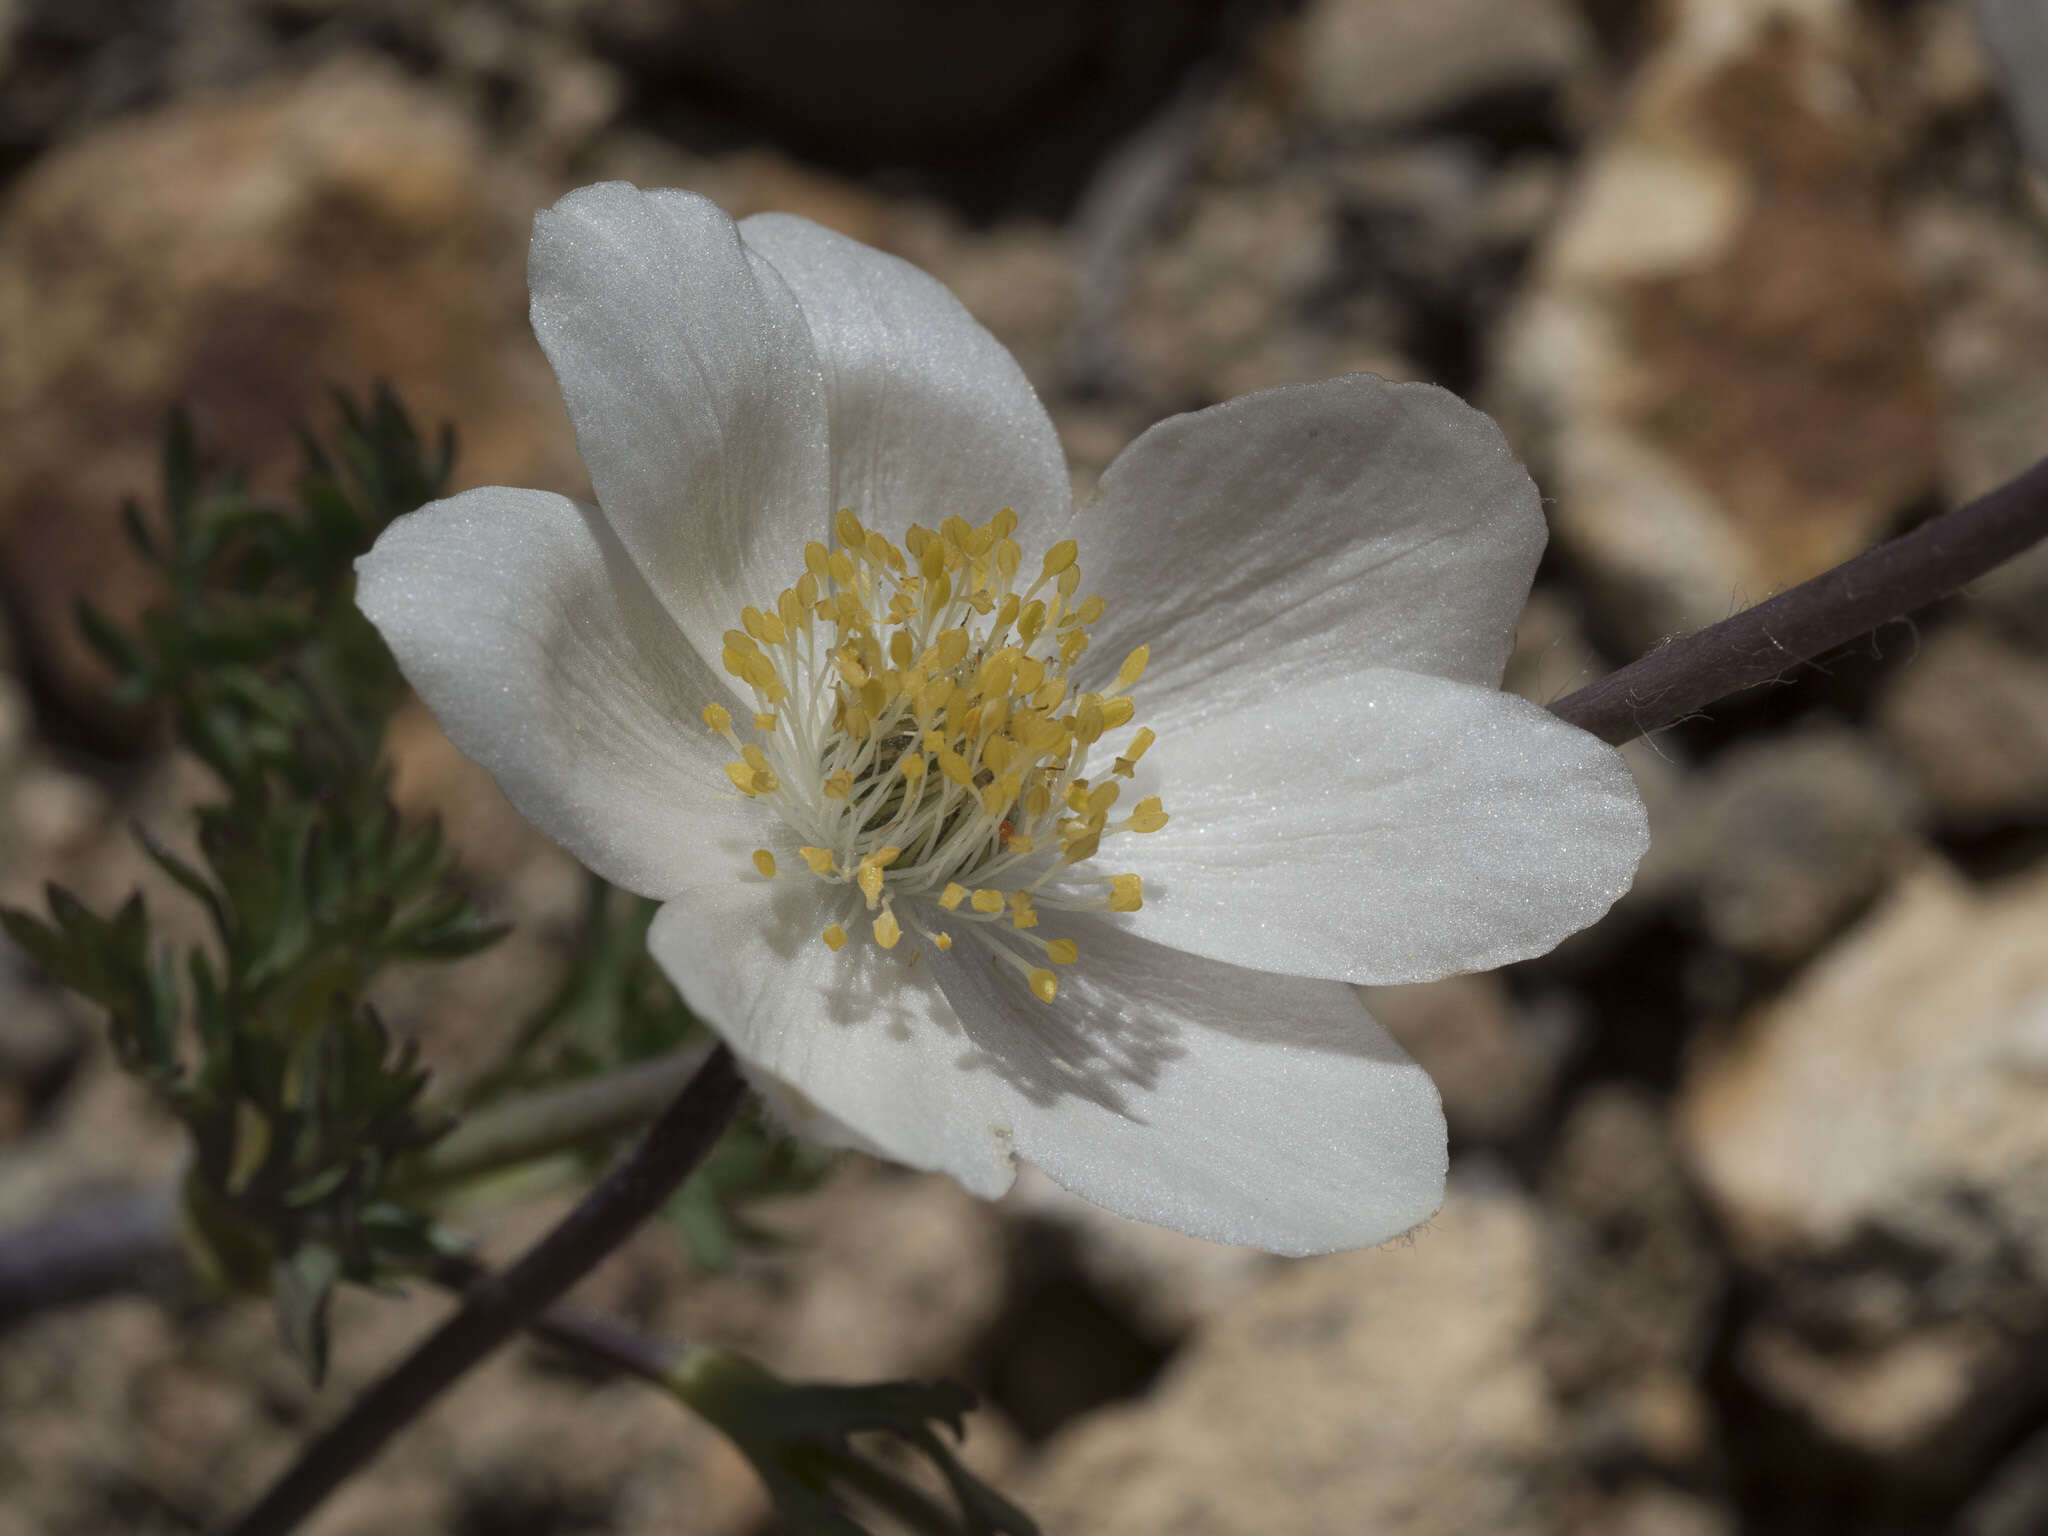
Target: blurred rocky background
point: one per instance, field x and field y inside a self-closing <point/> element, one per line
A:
<point x="1749" y="1223"/>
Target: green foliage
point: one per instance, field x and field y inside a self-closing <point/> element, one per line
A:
<point x="614" y="1005"/>
<point x="800" y="1438"/>
<point x="307" y="1122"/>
<point x="263" y="1041"/>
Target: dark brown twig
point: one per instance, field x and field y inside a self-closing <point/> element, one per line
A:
<point x="496" y="1307"/>
<point x="1761" y="643"/>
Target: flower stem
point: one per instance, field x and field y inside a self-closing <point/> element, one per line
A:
<point x="496" y="1307"/>
<point x="1760" y="643"/>
<point x="551" y="1120"/>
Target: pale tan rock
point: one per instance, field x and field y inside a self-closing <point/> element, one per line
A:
<point x="1720" y="364"/>
<point x="1970" y="715"/>
<point x="1783" y="838"/>
<point x="245" y="254"/>
<point x="1494" y="1062"/>
<point x="1392" y="1391"/>
<point x="1875" y="1144"/>
<point x="1167" y="1281"/>
<point x="1377" y="64"/>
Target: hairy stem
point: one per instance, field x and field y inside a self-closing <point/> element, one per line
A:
<point x="496" y="1307"/>
<point x="1760" y="643"/>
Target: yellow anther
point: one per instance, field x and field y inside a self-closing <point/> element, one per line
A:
<point x="954" y="767"/>
<point x="1061" y="556"/>
<point x="1062" y="951"/>
<point x="718" y="718"/>
<point x="1070" y="581"/>
<point x="820" y="859"/>
<point x="901" y="648"/>
<point x="951" y="648"/>
<point x="755" y="757"/>
<point x="1031" y="620"/>
<point x="764" y="861"/>
<point x="839" y="786"/>
<point x="887" y="930"/>
<point x="997" y="797"/>
<point x="1100" y="799"/>
<point x="912" y="767"/>
<point x="1126" y="893"/>
<point x="1089" y="611"/>
<point x="951" y="897"/>
<point x="1148" y="817"/>
<point x="1082" y="846"/>
<point x="1116" y="712"/>
<point x="847" y="526"/>
<point x="1140" y="740"/>
<point x="763" y="722"/>
<point x="869" y="879"/>
<point x="749" y="780"/>
<point x="1003" y="524"/>
<point x="1020" y="842"/>
<point x="1044" y="985"/>
<point x="839" y="566"/>
<point x="848" y="666"/>
<point x="943" y="939"/>
<point x="986" y="900"/>
<point x="835" y="938"/>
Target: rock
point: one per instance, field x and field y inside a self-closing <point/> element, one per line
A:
<point x="1977" y="261"/>
<point x="1216" y="306"/>
<point x="1381" y="64"/>
<point x="1635" y="1282"/>
<point x="1875" y="1145"/>
<point x="2016" y="37"/>
<point x="1392" y="1391"/>
<point x="1167" y="1282"/>
<point x="1783" y="838"/>
<point x="1719" y="365"/>
<point x="993" y="100"/>
<point x="246" y="254"/>
<point x="1495" y="1063"/>
<point x="1970" y="715"/>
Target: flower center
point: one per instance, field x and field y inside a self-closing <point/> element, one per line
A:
<point x="915" y="728"/>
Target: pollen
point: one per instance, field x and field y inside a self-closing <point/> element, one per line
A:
<point x="918" y="726"/>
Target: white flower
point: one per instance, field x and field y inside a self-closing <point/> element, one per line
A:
<point x="820" y="671"/>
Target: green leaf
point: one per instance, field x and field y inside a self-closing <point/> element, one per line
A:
<point x="302" y="1284"/>
<point x="799" y="1437"/>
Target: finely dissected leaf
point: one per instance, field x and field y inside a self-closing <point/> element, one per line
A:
<point x="799" y="1437"/>
<point x="296" y="1097"/>
<point x="302" y="1285"/>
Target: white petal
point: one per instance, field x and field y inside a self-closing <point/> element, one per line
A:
<point x="929" y="413"/>
<point x="1307" y="532"/>
<point x="524" y="626"/>
<point x="868" y="1041"/>
<point x="1236" y="1106"/>
<point x="1390" y="827"/>
<point x="696" y="398"/>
